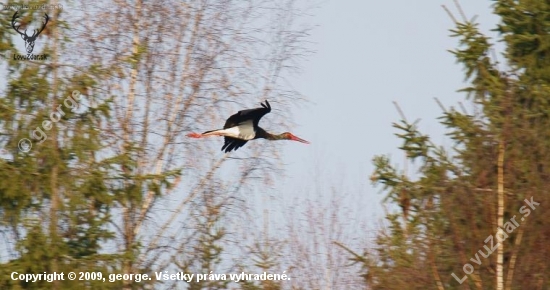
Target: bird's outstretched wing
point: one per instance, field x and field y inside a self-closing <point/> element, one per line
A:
<point x="255" y="115"/>
<point x="251" y="114"/>
<point x="231" y="144"/>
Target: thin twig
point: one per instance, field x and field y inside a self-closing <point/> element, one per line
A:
<point x="399" y="110"/>
<point x="440" y="105"/>
<point x="449" y="13"/>
<point x="460" y="11"/>
<point x="463" y="108"/>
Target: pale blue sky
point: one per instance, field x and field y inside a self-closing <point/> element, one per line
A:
<point x="368" y="54"/>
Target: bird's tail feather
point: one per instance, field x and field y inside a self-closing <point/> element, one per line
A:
<point x="211" y="132"/>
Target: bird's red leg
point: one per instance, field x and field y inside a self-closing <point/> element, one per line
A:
<point x="194" y="135"/>
<point x="205" y="134"/>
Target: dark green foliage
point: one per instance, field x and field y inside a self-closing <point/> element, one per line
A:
<point x="450" y="207"/>
<point x="54" y="200"/>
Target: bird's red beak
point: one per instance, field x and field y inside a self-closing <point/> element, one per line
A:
<point x="294" y="138"/>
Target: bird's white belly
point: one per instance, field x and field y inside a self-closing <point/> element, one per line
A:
<point x="243" y="131"/>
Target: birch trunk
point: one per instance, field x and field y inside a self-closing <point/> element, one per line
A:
<point x="500" y="215"/>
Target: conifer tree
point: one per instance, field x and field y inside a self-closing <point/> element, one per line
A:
<point x="496" y="172"/>
<point x="53" y="198"/>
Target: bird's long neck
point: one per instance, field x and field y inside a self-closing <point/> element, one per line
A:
<point x="261" y="133"/>
<point x="276" y="137"/>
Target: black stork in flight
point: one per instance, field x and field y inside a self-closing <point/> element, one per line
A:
<point x="243" y="127"/>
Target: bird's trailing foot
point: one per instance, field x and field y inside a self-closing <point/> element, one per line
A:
<point x="194" y="135"/>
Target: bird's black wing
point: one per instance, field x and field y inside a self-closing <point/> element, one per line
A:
<point x="231" y="144"/>
<point x="255" y="115"/>
<point x="251" y="114"/>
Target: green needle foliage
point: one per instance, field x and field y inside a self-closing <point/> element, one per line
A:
<point x="450" y="206"/>
<point x="55" y="205"/>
